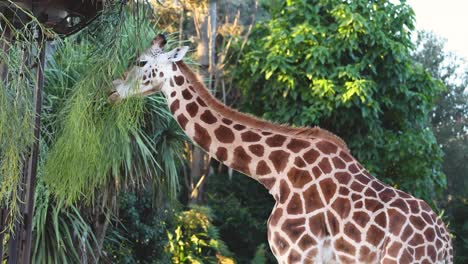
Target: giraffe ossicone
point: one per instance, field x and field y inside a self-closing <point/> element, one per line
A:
<point x="328" y="209"/>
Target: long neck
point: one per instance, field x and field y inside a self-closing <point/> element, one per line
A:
<point x="263" y="151"/>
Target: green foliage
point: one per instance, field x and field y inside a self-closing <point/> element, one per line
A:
<point x="94" y="149"/>
<point x="259" y="257"/>
<point x="79" y="159"/>
<point x="195" y="240"/>
<point x="16" y="114"/>
<point x="95" y="143"/>
<point x="58" y="230"/>
<point x="450" y="125"/>
<point x="346" y="66"/>
<point x="138" y="235"/>
<point x="239" y="203"/>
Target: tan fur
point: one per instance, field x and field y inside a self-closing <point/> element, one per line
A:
<point x="251" y="121"/>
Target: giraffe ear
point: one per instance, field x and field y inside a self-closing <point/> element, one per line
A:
<point x="177" y="54"/>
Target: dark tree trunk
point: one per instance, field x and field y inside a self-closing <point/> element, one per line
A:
<point x="206" y="50"/>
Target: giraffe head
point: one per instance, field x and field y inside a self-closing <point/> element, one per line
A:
<point x="149" y="72"/>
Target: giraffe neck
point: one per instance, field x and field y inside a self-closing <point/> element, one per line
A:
<point x="219" y="135"/>
<point x="276" y="156"/>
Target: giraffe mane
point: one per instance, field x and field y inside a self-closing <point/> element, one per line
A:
<point x="252" y="121"/>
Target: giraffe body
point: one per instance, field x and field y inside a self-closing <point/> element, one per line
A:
<point x="328" y="209"/>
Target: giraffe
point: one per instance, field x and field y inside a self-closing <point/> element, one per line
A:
<point x="328" y="209"/>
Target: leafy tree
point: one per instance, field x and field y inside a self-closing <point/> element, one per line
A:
<point x="195" y="239"/>
<point x="138" y="232"/>
<point x="450" y="125"/>
<point x="450" y="115"/>
<point x="346" y="66"/>
<point x="241" y="208"/>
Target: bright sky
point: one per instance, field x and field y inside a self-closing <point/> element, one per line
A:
<point x="447" y="18"/>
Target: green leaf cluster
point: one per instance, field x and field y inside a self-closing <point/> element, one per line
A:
<point x="16" y="116"/>
<point x="195" y="239"/>
<point x="96" y="144"/>
<point x="239" y="203"/>
<point x="138" y="233"/>
<point x="346" y="66"/>
<point x="58" y="229"/>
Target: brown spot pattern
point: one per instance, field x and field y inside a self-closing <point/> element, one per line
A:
<point x="343" y="177"/>
<point x="311" y="155"/>
<point x="294" y="256"/>
<point x="299" y="162"/>
<point x="297" y="145"/>
<point x="295" y="205"/>
<point x="208" y="117"/>
<point x="192" y="109"/>
<point x="374" y="235"/>
<point x="352" y="232"/>
<point x="396" y="221"/>
<point x="312" y="199"/>
<point x="298" y="177"/>
<point x="306" y="242"/>
<point x="294" y="228"/>
<point x="202" y="137"/>
<point x="186" y="94"/>
<point x="221" y="154"/>
<point x="281" y="244"/>
<point x="275" y="216"/>
<point x="345" y="246"/>
<point x="179" y="80"/>
<point x="279" y="158"/>
<point x="326" y="147"/>
<point x="361" y="218"/>
<point x="250" y="136"/>
<point x="175" y="106"/>
<point x="317" y="225"/>
<point x="328" y="188"/>
<point x="381" y="220"/>
<point x="224" y="135"/>
<point x="386" y="195"/>
<point x="325" y="165"/>
<point x="227" y="121"/>
<point x="201" y="102"/>
<point x="283" y="191"/>
<point x="342" y="207"/>
<point x="262" y="168"/>
<point x="241" y="160"/>
<point x="257" y="149"/>
<point x="275" y="141"/>
<point x="239" y="127"/>
<point x="182" y="120"/>
<point x="338" y="163"/>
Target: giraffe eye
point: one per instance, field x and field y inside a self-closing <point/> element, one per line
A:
<point x="141" y="63"/>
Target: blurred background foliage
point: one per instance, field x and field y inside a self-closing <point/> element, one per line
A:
<point x="121" y="184"/>
<point x="347" y="67"/>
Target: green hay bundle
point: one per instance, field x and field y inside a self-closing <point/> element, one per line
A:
<point x="94" y="142"/>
